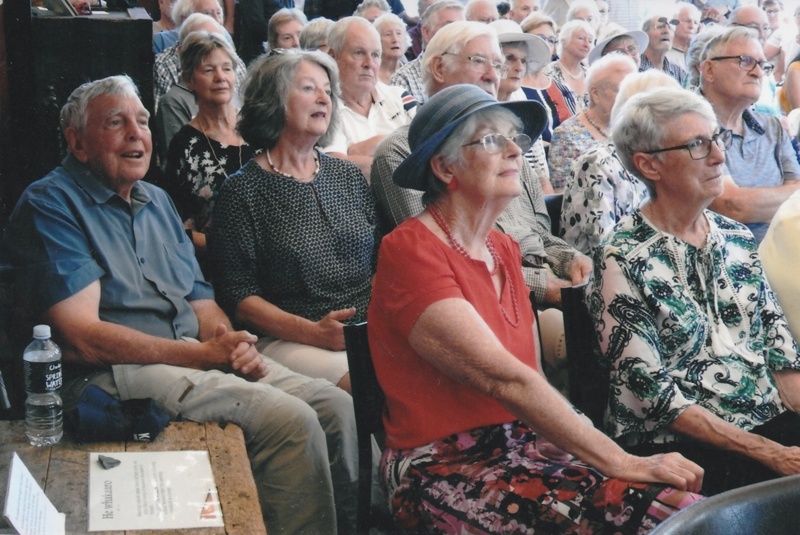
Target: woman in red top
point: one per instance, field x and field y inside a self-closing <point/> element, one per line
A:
<point x="477" y="440"/>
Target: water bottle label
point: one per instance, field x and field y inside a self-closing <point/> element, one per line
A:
<point x="41" y="377"/>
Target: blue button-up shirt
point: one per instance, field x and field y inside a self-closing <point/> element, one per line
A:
<point x="69" y="230"/>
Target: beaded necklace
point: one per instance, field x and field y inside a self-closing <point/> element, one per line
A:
<point x="602" y="132"/>
<point x="498" y="262"/>
<point x="287" y="175"/>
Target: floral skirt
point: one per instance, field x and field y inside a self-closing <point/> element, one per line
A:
<point x="494" y="480"/>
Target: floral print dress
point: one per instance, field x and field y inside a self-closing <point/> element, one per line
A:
<point x="599" y="192"/>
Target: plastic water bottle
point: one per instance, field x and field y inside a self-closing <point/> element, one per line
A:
<point x="44" y="413"/>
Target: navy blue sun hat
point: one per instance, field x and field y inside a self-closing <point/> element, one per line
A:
<point x="441" y="114"/>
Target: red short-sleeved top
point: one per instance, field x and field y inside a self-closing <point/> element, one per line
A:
<point x="415" y="270"/>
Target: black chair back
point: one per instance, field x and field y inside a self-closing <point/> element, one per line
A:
<point x="768" y="508"/>
<point x="369" y="403"/>
<point x="553" y="204"/>
<point x="588" y="378"/>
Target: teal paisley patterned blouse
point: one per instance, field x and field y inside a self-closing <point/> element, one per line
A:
<point x="679" y="325"/>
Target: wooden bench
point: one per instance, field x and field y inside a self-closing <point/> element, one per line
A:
<point x="62" y="471"/>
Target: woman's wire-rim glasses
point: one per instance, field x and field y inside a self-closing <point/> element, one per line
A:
<point x="495" y="143"/>
<point x="699" y="149"/>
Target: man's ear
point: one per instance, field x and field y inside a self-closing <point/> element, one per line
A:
<point x="706" y="70"/>
<point x="76" y="144"/>
<point x="436" y="67"/>
<point x="331" y="53"/>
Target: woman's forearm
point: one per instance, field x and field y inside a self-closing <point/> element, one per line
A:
<point x="268" y="320"/>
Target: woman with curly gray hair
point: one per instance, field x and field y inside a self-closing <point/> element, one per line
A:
<point x="294" y="241"/>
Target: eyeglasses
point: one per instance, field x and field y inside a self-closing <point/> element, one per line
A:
<point x="551" y="40"/>
<point x="765" y="28"/>
<point x="701" y="148"/>
<point x="772" y="11"/>
<point x="664" y="23"/>
<point x="495" y="143"/>
<point x="481" y="64"/>
<point x="631" y="50"/>
<point x="748" y="63"/>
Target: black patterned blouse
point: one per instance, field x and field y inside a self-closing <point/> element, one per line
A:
<point x="307" y="248"/>
<point x="196" y="167"/>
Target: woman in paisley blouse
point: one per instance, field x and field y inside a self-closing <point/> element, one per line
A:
<point x="208" y="148"/>
<point x="294" y="241"/>
<point x="701" y="358"/>
<point x="599" y="190"/>
<point x="578" y="134"/>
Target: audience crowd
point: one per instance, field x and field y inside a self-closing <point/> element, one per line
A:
<point x="442" y="173"/>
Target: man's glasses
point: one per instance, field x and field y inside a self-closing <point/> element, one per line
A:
<point x="481" y="64"/>
<point x="753" y="26"/>
<point x="748" y="63"/>
<point x="495" y="143"/>
<point x="701" y="148"/>
<point x="664" y="23"/>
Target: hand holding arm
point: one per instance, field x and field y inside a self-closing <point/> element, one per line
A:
<point x="579" y="269"/>
<point x="88" y="340"/>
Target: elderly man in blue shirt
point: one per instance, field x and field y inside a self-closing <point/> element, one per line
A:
<point x="761" y="162"/>
<point x="103" y="258"/>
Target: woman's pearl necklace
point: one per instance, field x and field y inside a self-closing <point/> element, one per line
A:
<point x="287" y="175"/>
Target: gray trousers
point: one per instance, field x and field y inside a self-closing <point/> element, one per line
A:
<point x="300" y="434"/>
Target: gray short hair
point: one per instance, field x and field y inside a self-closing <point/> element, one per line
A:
<point x="183" y="8"/>
<point x="391" y="18"/>
<point x="196" y="22"/>
<point x="606" y="65"/>
<point x="640" y="124"/>
<point x="453" y="38"/>
<point x="569" y="29"/>
<point x="497" y="118"/>
<point x="266" y="86"/>
<point x="197" y="46"/>
<point x="73" y="113"/>
<point x="281" y="17"/>
<point x="434" y="9"/>
<point x="719" y="40"/>
<point x="686" y="6"/>
<point x="641" y="82"/>
<point x="469" y="7"/>
<point x="383" y="5"/>
<point x="337" y="33"/>
<point x="315" y="33"/>
<point x="579" y="5"/>
<point x="533" y="21"/>
<point x="696" y="51"/>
